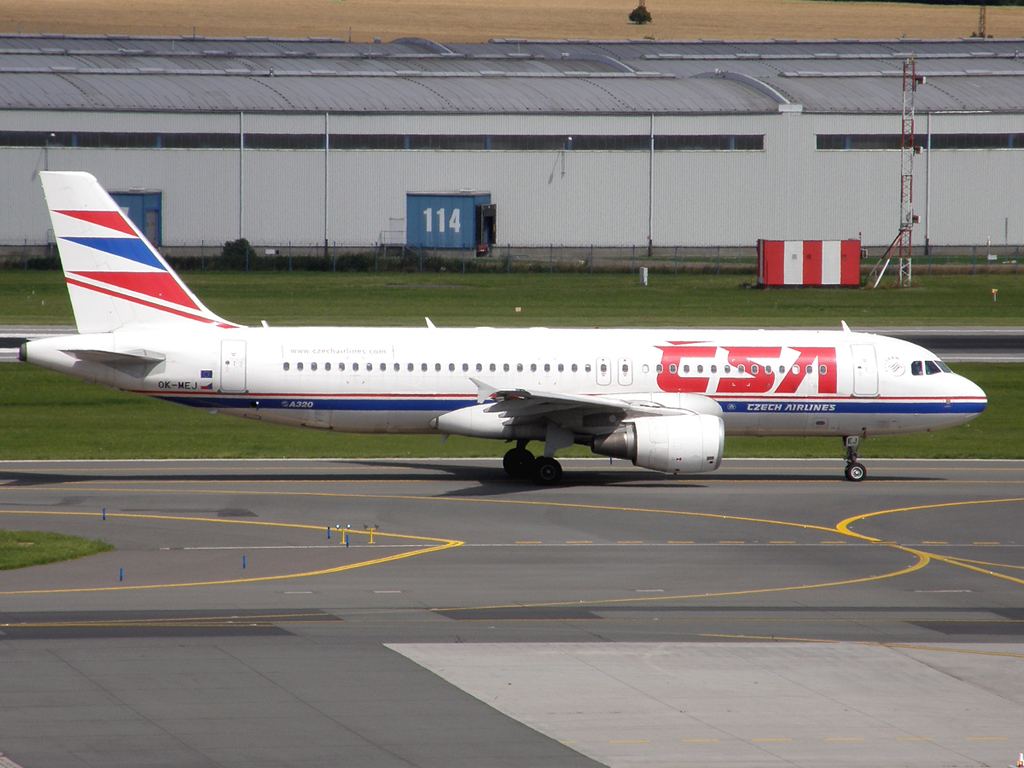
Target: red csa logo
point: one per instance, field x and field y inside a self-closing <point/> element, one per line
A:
<point x="745" y="370"/>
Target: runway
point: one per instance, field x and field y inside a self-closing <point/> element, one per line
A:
<point x="770" y="614"/>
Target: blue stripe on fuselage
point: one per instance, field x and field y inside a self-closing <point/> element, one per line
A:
<point x="729" y="407"/>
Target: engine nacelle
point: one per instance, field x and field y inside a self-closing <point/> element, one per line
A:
<point x="691" y="442"/>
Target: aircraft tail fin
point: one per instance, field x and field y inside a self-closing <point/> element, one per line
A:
<point x="115" y="277"/>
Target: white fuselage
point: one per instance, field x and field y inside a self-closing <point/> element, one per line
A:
<point x="399" y="380"/>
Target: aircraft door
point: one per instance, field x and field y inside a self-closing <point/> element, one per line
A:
<point x="865" y="370"/>
<point x="624" y="367"/>
<point x="604" y="371"/>
<point x="232" y="370"/>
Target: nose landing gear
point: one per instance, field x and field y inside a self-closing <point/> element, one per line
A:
<point x="855" y="471"/>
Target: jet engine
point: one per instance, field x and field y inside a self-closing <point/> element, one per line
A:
<point x="691" y="442"/>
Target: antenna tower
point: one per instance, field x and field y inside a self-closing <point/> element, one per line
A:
<point x="900" y="248"/>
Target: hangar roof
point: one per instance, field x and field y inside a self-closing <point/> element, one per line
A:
<point x="504" y="76"/>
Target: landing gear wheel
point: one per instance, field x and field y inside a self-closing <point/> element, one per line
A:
<point x="856" y="472"/>
<point x="546" y="471"/>
<point x="518" y="462"/>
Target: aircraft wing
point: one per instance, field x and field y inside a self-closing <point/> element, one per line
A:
<point x="524" y="403"/>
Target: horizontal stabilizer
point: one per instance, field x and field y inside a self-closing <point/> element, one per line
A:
<point x="132" y="357"/>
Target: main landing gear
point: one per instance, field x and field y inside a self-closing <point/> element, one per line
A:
<point x="855" y="471"/>
<point x="521" y="464"/>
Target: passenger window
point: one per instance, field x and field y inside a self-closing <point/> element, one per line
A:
<point x="808" y="370"/>
<point x="931" y="368"/>
<point x="410" y="367"/>
<point x="672" y="368"/>
<point x="493" y="367"/>
<point x="423" y="367"/>
<point x="465" y="367"/>
<point x="822" y="370"/>
<point x="341" y="366"/>
<point x="686" y="369"/>
<point x="727" y="369"/>
<point x="505" y="367"/>
<point x="312" y="366"/>
<point x="398" y="367"/>
<point x="586" y="368"/>
<point x="916" y="368"/>
<point x="604" y="368"/>
<point x="383" y="367"/>
<point x="479" y="367"/>
<point x="659" y="368"/>
<point x="574" y="368"/>
<point x="287" y="366"/>
<point x="519" y="367"/>
<point x="298" y="366"/>
<point x="437" y="367"/>
<point x="700" y="369"/>
<point x="451" y="367"/>
<point x="533" y="367"/>
<point x="767" y="369"/>
<point x="740" y="369"/>
<point x="561" y="368"/>
<point x="754" y="369"/>
<point x="646" y="368"/>
<point x="327" y="366"/>
<point x="547" y="368"/>
<point x="714" y="369"/>
<point x="796" y="370"/>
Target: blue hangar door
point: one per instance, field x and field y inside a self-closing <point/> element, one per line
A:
<point x="144" y="209"/>
<point x="455" y="220"/>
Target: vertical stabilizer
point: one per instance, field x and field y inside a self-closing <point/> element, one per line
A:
<point x="116" y="279"/>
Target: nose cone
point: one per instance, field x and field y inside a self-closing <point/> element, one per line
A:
<point x="974" y="395"/>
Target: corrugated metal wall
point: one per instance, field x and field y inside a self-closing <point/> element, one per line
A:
<point x="790" y="190"/>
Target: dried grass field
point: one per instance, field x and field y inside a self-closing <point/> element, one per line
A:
<point x="481" y="20"/>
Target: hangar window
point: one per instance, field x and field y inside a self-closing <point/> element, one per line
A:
<point x="287" y="366"/>
<point x="939" y="141"/>
<point x="284" y="141"/>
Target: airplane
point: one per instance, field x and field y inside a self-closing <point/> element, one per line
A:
<point x="664" y="399"/>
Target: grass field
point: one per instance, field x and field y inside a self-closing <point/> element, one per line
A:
<point x="582" y="300"/>
<point x="45" y="415"/>
<point x="480" y="20"/>
<point x="20" y="549"/>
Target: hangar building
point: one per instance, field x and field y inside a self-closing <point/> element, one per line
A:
<point x="573" y="143"/>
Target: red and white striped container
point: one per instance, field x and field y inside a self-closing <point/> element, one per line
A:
<point x="808" y="262"/>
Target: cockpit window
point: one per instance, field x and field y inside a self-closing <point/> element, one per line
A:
<point x="917" y="368"/>
<point x="943" y="367"/>
<point x="930" y="367"/>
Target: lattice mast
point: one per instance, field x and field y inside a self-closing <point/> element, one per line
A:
<point x="900" y="248"/>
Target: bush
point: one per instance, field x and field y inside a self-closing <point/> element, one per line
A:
<point x="237" y="253"/>
<point x="640" y="15"/>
